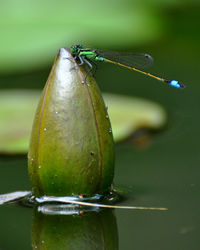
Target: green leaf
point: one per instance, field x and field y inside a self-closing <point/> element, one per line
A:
<point x="32" y="32"/>
<point x="128" y="114"/>
<point x="17" y="108"/>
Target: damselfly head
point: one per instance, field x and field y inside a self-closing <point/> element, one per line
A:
<point x="75" y="49"/>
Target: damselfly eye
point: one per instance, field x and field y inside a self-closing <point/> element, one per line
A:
<point x="79" y="46"/>
<point x="76" y="48"/>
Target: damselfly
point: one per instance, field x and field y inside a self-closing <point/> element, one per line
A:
<point x="132" y="61"/>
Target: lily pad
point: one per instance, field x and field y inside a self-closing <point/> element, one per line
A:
<point x="128" y="114"/>
<point x="17" y="108"/>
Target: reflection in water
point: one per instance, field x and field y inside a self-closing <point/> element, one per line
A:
<point x="65" y="227"/>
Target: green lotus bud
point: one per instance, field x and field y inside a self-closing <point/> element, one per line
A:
<point x="71" y="148"/>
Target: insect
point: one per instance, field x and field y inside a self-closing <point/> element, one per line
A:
<point x="129" y="60"/>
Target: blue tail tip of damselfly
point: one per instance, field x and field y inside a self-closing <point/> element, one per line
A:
<point x="175" y="84"/>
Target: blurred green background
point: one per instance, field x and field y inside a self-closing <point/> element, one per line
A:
<point x="164" y="174"/>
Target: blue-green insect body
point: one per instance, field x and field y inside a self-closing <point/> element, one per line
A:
<point x="128" y="60"/>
